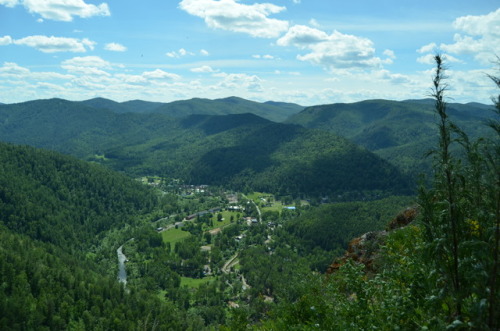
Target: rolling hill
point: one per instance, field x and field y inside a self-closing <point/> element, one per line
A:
<point x="59" y="219"/>
<point x="399" y="131"/>
<point x="240" y="150"/>
<point x="274" y="111"/>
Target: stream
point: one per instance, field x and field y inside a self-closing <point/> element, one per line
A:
<point x="122" y="273"/>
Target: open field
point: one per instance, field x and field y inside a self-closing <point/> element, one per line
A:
<point x="174" y="235"/>
<point x="195" y="282"/>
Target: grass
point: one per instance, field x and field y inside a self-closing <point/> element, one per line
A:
<point x="226" y="215"/>
<point x="195" y="282"/>
<point x="276" y="206"/>
<point x="174" y="235"/>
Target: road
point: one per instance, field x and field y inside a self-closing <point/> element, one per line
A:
<point x="232" y="261"/>
<point x="256" y="207"/>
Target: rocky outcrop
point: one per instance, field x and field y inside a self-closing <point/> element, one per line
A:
<point x="365" y="249"/>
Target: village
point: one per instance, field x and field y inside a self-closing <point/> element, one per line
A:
<point x="220" y="223"/>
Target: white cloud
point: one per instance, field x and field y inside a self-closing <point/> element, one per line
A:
<point x="390" y="53"/>
<point x="12" y="68"/>
<point x="5" y="40"/>
<point x="87" y="61"/>
<point x="479" y="36"/>
<point x="180" y="53"/>
<point x="429" y="48"/>
<point x="114" y="47"/>
<point x="302" y="36"/>
<point x="9" y="3"/>
<point x="204" y="52"/>
<point x="314" y="23"/>
<point x="60" y="10"/>
<point x="334" y="51"/>
<point x="56" y="44"/>
<point x="266" y="56"/>
<point x="429" y="59"/>
<point x="203" y="69"/>
<point x="488" y="24"/>
<point x="250" y="83"/>
<point x="233" y="16"/>
<point x="396" y="79"/>
<point x="88" y="66"/>
<point x="160" y="74"/>
<point x="426" y="59"/>
<point x="131" y="79"/>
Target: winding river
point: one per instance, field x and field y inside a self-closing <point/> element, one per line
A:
<point x="122" y="273"/>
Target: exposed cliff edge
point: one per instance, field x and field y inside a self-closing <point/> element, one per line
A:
<point x="365" y="249"/>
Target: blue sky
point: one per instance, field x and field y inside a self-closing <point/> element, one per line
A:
<point x="303" y="51"/>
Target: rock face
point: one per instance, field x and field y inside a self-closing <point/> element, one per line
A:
<point x="365" y="249"/>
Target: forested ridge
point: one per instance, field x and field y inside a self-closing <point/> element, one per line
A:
<point x="274" y="111"/>
<point x="399" y="131"/>
<point x="58" y="199"/>
<point x="242" y="151"/>
<point x="56" y="214"/>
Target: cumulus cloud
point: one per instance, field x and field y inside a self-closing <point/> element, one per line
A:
<point x="160" y="74"/>
<point x="13" y="71"/>
<point x="5" y="40"/>
<point x="12" y="68"/>
<point x="334" y="51"/>
<point x="9" y="3"/>
<point x="265" y="57"/>
<point x="314" y="23"/>
<point x="429" y="48"/>
<point x="478" y="36"/>
<point x="60" y="10"/>
<point x="204" y="52"/>
<point x="429" y="59"/>
<point x="87" y="65"/>
<point x="203" y="69"/>
<point x="390" y="53"/>
<point x="56" y="44"/>
<point x="178" y="54"/>
<point x="251" y="83"/>
<point x="396" y="79"/>
<point x="233" y="16"/>
<point x="114" y="47"/>
<point x="87" y="61"/>
<point x="488" y="24"/>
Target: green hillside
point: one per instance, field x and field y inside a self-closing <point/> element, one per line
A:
<point x="243" y="150"/>
<point x="399" y="131"/>
<point x="59" y="220"/>
<point x="73" y="128"/>
<point x="64" y="201"/>
<point x="276" y="112"/>
<point x="273" y="111"/>
<point x="132" y="106"/>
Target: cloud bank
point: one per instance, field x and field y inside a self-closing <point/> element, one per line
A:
<point x="233" y="16"/>
<point x="60" y="10"/>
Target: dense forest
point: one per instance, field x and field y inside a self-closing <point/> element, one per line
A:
<point x="273" y="111"/>
<point x="398" y="131"/>
<point x="241" y="151"/>
<point x="299" y="229"/>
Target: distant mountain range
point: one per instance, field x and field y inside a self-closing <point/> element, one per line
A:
<point x="241" y="150"/>
<point x="274" y="111"/>
<point x="230" y="141"/>
<point x="398" y="131"/>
